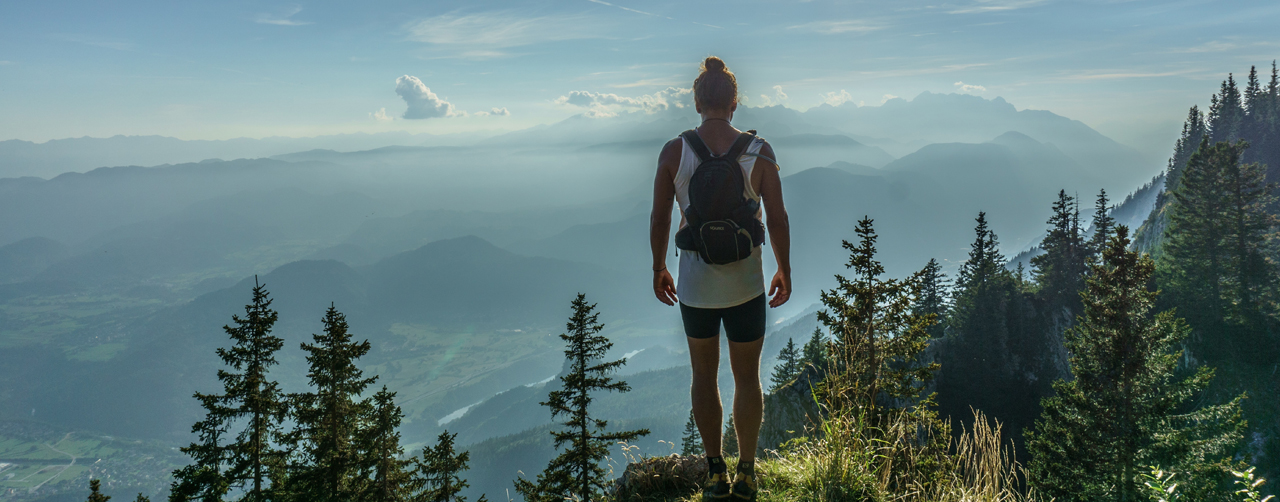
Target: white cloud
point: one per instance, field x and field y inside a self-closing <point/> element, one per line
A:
<point x="281" y="20"/>
<point x="884" y="99"/>
<point x="423" y="104"/>
<point x="1099" y="75"/>
<point x="623" y="8"/>
<point x="2" y="63"/>
<point x="838" y="27"/>
<point x="482" y="33"/>
<point x="600" y="104"/>
<point x="495" y="112"/>
<point x="980" y="6"/>
<point x="963" y="87"/>
<point x="381" y="115"/>
<point x="778" y="97"/>
<point x="837" y="98"/>
<point x="781" y="96"/>
<point x="650" y="82"/>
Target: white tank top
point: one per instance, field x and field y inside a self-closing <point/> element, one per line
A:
<point x="703" y="285"/>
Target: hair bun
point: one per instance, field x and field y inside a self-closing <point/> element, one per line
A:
<point x="713" y="63"/>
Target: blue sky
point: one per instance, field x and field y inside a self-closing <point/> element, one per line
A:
<point x="211" y="70"/>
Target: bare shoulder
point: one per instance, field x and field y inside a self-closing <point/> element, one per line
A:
<point x="766" y="150"/>
<point x="669" y="159"/>
<point x="671" y="150"/>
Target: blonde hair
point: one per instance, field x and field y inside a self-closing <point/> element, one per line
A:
<point x="715" y="88"/>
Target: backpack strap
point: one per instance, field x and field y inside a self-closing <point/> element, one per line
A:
<point x="695" y="143"/>
<point x="739" y="146"/>
<point x="699" y="148"/>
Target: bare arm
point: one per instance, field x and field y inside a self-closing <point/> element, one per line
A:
<point x="664" y="194"/>
<point x="778" y="225"/>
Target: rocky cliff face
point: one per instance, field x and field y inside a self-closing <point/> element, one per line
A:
<point x="791" y="411"/>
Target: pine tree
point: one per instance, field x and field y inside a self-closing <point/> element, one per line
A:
<point x="1121" y="411"/>
<point x="1103" y="225"/>
<point x="1194" y="130"/>
<point x="250" y="400"/>
<point x="203" y="479"/>
<point x="576" y="472"/>
<point x="878" y="339"/>
<point x="440" y="472"/>
<point x="729" y="443"/>
<point x="1059" y="272"/>
<point x="788" y="367"/>
<point x="1253" y="94"/>
<point x="94" y="494"/>
<point x="983" y="287"/>
<point x="1214" y="264"/>
<point x="142" y="498"/>
<point x="328" y="419"/>
<point x="815" y="350"/>
<point x="1270" y="108"/>
<point x="993" y="343"/>
<point x="390" y="479"/>
<point x="691" y="442"/>
<point x="933" y="298"/>
<point x="1226" y="113"/>
<point x="255" y="399"/>
<point x="1248" y="222"/>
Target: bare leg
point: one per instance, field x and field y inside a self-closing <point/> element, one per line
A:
<point x="704" y="354"/>
<point x="748" y="397"/>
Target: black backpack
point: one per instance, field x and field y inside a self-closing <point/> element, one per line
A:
<point x="722" y="224"/>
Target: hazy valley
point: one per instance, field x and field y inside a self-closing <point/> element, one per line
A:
<point x="457" y="258"/>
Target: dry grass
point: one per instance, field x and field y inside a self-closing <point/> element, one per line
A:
<point x="851" y="462"/>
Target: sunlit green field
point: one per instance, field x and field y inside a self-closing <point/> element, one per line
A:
<point x="436" y="372"/>
<point x="35" y="462"/>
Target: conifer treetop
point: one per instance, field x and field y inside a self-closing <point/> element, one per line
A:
<point x="577" y="472"/>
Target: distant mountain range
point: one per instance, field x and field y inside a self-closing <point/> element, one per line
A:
<point x="456" y="285"/>
<point x="457" y="256"/>
<point x="54" y="157"/>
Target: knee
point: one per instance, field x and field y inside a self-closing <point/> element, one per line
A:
<point x="704" y="378"/>
<point x="748" y="386"/>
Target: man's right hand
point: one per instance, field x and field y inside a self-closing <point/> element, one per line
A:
<point x="664" y="287"/>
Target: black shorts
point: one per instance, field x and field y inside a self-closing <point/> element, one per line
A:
<point x="742" y="323"/>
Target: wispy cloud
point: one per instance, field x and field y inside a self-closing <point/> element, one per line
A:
<point x="838" y="27"/>
<point x="911" y="72"/>
<point x="108" y="43"/>
<point x="980" y="6"/>
<point x="628" y="9"/>
<point x="482" y="35"/>
<point x="381" y="115"/>
<point x="495" y="112"/>
<point x="969" y="88"/>
<point x="3" y="63"/>
<point x="1088" y="75"/>
<point x="649" y="82"/>
<point x="281" y="20"/>
<point x="600" y="104"/>
<point x="1223" y="46"/>
<point x="1211" y="46"/>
